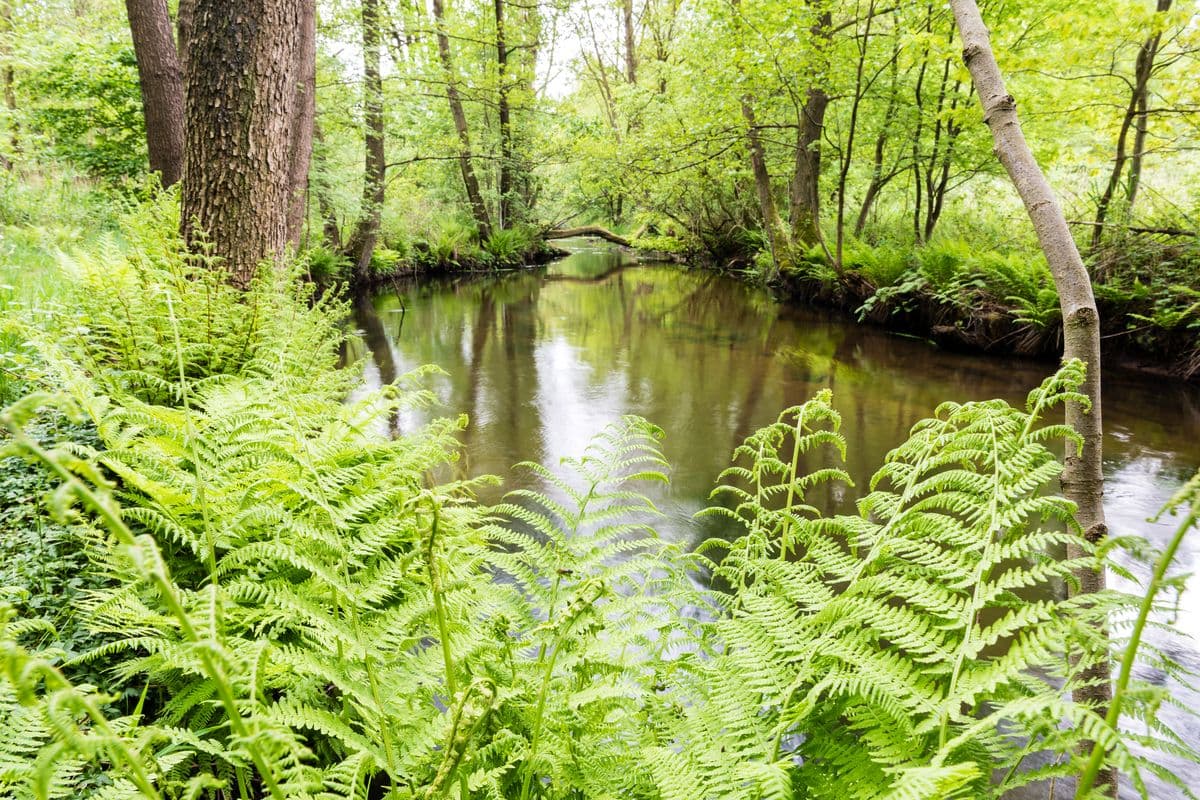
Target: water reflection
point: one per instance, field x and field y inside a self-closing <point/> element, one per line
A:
<point x="541" y="360"/>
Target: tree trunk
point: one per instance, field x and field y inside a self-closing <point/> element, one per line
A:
<point x="630" y="46"/>
<point x="366" y="234"/>
<point x="1082" y="479"/>
<point x="1135" y="117"/>
<point x="329" y="220"/>
<point x="806" y="177"/>
<point x="241" y="75"/>
<point x="772" y="224"/>
<point x="474" y="195"/>
<point x="587" y="230"/>
<point x="8" y="77"/>
<point x="304" y="122"/>
<point x="504" y="114"/>
<point x="848" y="153"/>
<point x="161" y="83"/>
<point x="878" y="179"/>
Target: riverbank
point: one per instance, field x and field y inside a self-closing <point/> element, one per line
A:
<point x="995" y="303"/>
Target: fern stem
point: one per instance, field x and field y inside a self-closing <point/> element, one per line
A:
<point x="973" y="609"/>
<point x="439" y="608"/>
<point x="791" y="490"/>
<point x="190" y="431"/>
<point x="539" y="711"/>
<point x="1113" y="717"/>
<point x="881" y="540"/>
<point x="384" y="730"/>
<point x="589" y="593"/>
<point x="55" y="680"/>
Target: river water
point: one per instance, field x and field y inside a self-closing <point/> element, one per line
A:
<point x="540" y="360"/>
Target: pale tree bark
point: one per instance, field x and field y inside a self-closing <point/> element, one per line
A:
<point x="161" y="82"/>
<point x="366" y="233"/>
<point x="242" y="70"/>
<point x="1082" y="479"/>
<point x="479" y="210"/>
<point x="303" y="123"/>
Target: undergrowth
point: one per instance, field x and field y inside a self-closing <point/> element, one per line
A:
<point x="281" y="604"/>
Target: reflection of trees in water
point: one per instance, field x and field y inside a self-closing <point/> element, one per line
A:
<point x="711" y="360"/>
<point x="375" y="336"/>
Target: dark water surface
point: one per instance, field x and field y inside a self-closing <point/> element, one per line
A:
<point x="541" y="360"/>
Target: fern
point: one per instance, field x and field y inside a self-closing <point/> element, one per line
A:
<point x="303" y="611"/>
<point x="902" y="643"/>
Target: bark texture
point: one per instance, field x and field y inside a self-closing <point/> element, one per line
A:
<point x="504" y="117"/>
<point x="366" y="234"/>
<point x="470" y="180"/>
<point x="630" y="43"/>
<point x="303" y="123"/>
<point x="242" y="70"/>
<point x="161" y="81"/>
<point x="772" y="224"/>
<point x="806" y="175"/>
<point x="1082" y="479"/>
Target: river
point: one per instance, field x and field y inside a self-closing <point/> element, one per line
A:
<point x="542" y="359"/>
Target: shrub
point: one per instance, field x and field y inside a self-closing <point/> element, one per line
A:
<point x="509" y="247"/>
<point x="385" y="261"/>
<point x="143" y="311"/>
<point x="324" y="266"/>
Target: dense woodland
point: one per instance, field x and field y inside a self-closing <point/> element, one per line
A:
<point x="220" y="580"/>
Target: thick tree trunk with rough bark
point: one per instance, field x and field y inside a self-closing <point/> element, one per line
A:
<point x="241" y="75"/>
<point x="474" y="196"/>
<point x="806" y="178"/>
<point x="161" y="81"/>
<point x="303" y="123"/>
<point x="1082" y="479"/>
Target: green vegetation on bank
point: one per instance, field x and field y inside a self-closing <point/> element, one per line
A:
<point x="271" y="601"/>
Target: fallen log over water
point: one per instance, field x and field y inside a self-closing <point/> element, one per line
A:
<point x="587" y="230"/>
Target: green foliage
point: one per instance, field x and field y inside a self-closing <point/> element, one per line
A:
<point x="88" y="107"/>
<point x="325" y="267"/>
<point x="143" y="312"/>
<point x="509" y="247"/>
<point x="294" y="605"/>
<point x="385" y="260"/>
<point x="449" y="244"/>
